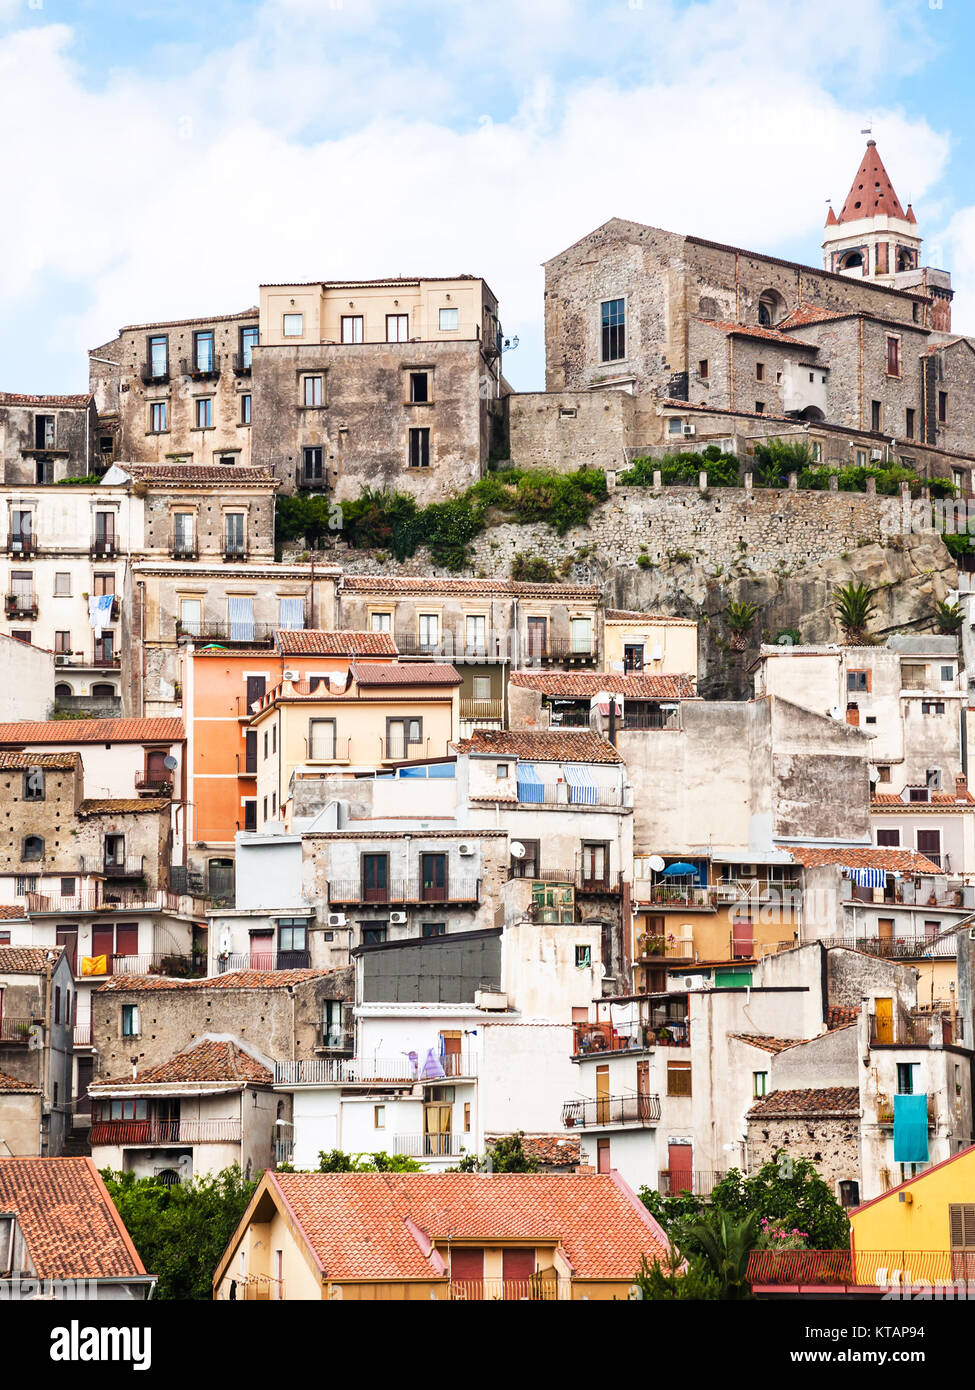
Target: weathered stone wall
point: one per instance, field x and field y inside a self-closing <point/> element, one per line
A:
<point x="831" y="1143"/>
<point x="566" y="430"/>
<point x="209" y="506"/>
<point x="74" y="442"/>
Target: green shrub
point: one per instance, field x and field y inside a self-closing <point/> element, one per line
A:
<point x="684" y="470"/>
<point x="534" y="568"/>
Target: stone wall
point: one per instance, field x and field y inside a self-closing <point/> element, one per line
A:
<point x="566" y="430"/>
<point x="830" y="1142"/>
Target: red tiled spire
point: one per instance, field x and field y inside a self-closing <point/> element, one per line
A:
<point x="831" y="218"/>
<point x="910" y="214"/>
<point x="872" y="193"/>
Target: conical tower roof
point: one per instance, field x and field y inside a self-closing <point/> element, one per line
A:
<point x="872" y="193"/>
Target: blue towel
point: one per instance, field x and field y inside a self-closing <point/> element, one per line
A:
<point x="911" y="1129"/>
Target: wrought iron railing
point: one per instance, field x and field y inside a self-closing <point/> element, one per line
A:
<point x="411" y="891"/>
<point x="611" y="1110"/>
<point x="430" y="1145"/>
<point x="165" y="1132"/>
<point x="698" y="1182"/>
<point x="338" y="1071"/>
<point x="263" y="960"/>
<point x="15" y="1028"/>
<point x="885" y="1269"/>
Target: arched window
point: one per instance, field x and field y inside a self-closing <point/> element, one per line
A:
<point x="812" y="412"/>
<point x="853" y="260"/>
<point x="771" y="308"/>
<point x="62" y="691"/>
<point x="905" y="258"/>
<point x="849" y="1193"/>
<point x="103" y="692"/>
<point x="33" y="847"/>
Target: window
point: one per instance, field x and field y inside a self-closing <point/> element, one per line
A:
<point x="381" y="622"/>
<point x="759" y="371"/>
<point x="57" y="1003"/>
<point x="62" y="584"/>
<point x="420" y="447"/>
<point x="675" y="425"/>
<point x="292" y="935"/>
<point x="379" y="1117"/>
<point x="183" y="534"/>
<point x="21" y="530"/>
<point x="581" y="635"/>
<point x="33" y="848"/>
<point x="583" y="957"/>
<point x="759" y="407"/>
<point x="893" y="356"/>
<point x="434" y="929"/>
<point x="43" y="431"/>
<point x="943" y="407"/>
<point x="861" y="458"/>
<point x="114" y="851"/>
<point x="501" y="770"/>
<point x="245" y="409"/>
<point x="293" y="325"/>
<point x="419" y="387"/>
<point x="883" y="772"/>
<point x="249" y="338"/>
<point x="429" y="629"/>
<point x="250" y="815"/>
<point x="68" y="887"/>
<point x="929" y="844"/>
<point x="291" y="613"/>
<point x="397" y="328"/>
<point x="947" y="673"/>
<point x="633" y="656"/>
<point x="858" y="680"/>
<point x="537" y="636"/>
<point x="130" y="1020"/>
<point x="817" y="451"/>
<point x="909" y="422"/>
<point x="932" y="707"/>
<point x="25" y="883"/>
<point x="157" y="417"/>
<point x="481" y="687"/>
<point x="312" y="464"/>
<point x="21" y="635"/>
<point x="203" y="357"/>
<point x="404" y="738"/>
<point x="678" y="1078"/>
<point x="191" y="616"/>
<point x="876" y="417"/>
<point x="204" y="413"/>
<point x="759" y="1084"/>
<point x="312" y="390"/>
<point x="890" y="838"/>
<point x="321" y="739"/>
<point x="613" y="325"/>
<point x="467" y="1116"/>
<point x="476" y="632"/>
<point x="374" y="934"/>
<point x="595" y="856"/>
<point x="449" y="320"/>
<point x="274" y="738"/>
<point x="704" y="369"/>
<point x="905" y="1078"/>
<point x="233" y="535"/>
<point x="34" y="784"/>
<point x="849" y="1193"/>
<point x="352" y="328"/>
<point x="158" y="357"/>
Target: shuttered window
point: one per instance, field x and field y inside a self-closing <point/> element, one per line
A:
<point x="962" y="1220"/>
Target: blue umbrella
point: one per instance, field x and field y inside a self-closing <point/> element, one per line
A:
<point x="679" y="870"/>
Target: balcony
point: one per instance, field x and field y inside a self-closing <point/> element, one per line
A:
<point x="490" y="711"/>
<point x="920" y="1028"/>
<point x="173" y="965"/>
<point x="310" y="481"/>
<point x="22" y="543"/>
<point x="885" y="1111"/>
<point x="163" y="1132"/>
<point x="452" y="648"/>
<point x="184" y="550"/>
<point x="15" y="1028"/>
<point x="100" y="706"/>
<point x="591" y="1038"/>
<point x="331" y="1040"/>
<point x="284" y="1151"/>
<point x="567" y="794"/>
<point x="234" y="552"/>
<point x="82" y="1035"/>
<point x="534" y="1290"/>
<point x="611" y="1110"/>
<point x="430" y="1145"/>
<point x="399" y="750"/>
<point x="242" y="364"/>
<point x="22" y="604"/>
<point x="561" y="649"/>
<point x="124" y="866"/>
<point x="154" y="783"/>
<point x="239" y="634"/>
<point x="698" y="1183"/>
<point x="906" y="894"/>
<point x="328" y="750"/>
<point x="104" y="547"/>
<point x="103" y="658"/>
<point x="205" y="368"/>
<point x="263" y="960"/>
<point x="404" y="892"/>
<point x="883" y="1269"/>
<point x="913" y="947"/>
<point x="366" y="1071"/>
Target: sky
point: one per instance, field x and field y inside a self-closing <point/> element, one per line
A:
<point x="162" y="158"/>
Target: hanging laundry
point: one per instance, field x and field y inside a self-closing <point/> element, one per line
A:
<point x="100" y="611"/>
<point x="432" y="1067"/>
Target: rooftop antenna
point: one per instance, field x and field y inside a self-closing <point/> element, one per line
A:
<point x="868" y="128"/>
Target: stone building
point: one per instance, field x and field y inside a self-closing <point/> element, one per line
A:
<point x="44" y="439"/>
<point x="821" y="1124"/>
<point x="37" y="1000"/>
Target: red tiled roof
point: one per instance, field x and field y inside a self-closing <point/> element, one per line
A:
<point x="93" y="731"/>
<point x="358" y="1225"/>
<point x="766" y="1043"/>
<point x="938" y="800"/>
<point x="28" y="960"/>
<point x="871" y="193"/>
<point x="551" y="1150"/>
<point x="754" y="330"/>
<point x="810" y="313"/>
<point x="513" y="588"/>
<point x="406" y="673"/>
<point x="548" y="745"/>
<point x="316" y="642"/>
<point x="210" y="1059"/>
<point x="822" y="1101"/>
<point x="65" y="762"/>
<point x="842" y="1015"/>
<point x="127" y="806"/>
<point x="13" y="1083"/>
<point x="629" y="615"/>
<point x="8" y="912"/>
<point x="69" y="1222"/>
<point x="906" y="861"/>
<point x="234" y="979"/>
<point x="64" y="402"/>
<point x="642" y="685"/>
<point x="200" y="475"/>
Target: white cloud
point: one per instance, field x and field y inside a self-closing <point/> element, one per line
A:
<point x="326" y="143"/>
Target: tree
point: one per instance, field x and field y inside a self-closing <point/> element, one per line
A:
<point x="505" y="1155"/>
<point x="853" y="605"/>
<point x="948" y="617"/>
<point x="739" y="619"/>
<point x="790" y="1193"/>
<point x="722" y="1247"/>
<point x="671" y="1279"/>
<point x="335" y="1161"/>
<point x="181" y="1231"/>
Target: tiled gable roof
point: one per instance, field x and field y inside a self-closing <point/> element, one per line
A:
<point x="126" y="805"/>
<point x="810" y="313"/>
<point x="316" y="642"/>
<point x="766" y="1043"/>
<point x="8" y="1084"/>
<point x="842" y="1015"/>
<point x="548" y="745"/>
<point x="822" y="1101"/>
<point x="407" y="586"/>
<point x="630" y="615"/>
<point x="551" y="1150"/>
<point x="93" y="731"/>
<point x="199" y="475"/>
<point x="63" y="762"/>
<point x="28" y="960"/>
<point x="356" y="1224"/>
<point x="405" y="673"/>
<point x="62" y="402"/>
<point x="234" y="979"/>
<point x="210" y="1059"/>
<point x="754" y="330"/>
<point x="69" y="1223"/>
<point x="938" y="801"/>
<point x="906" y="861"/>
<point x="639" y="685"/>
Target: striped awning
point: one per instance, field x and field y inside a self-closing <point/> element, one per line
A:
<point x="529" y="783"/>
<point x="867" y="878"/>
<point x="582" y="787"/>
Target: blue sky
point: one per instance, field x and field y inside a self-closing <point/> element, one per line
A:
<point x="161" y="159"/>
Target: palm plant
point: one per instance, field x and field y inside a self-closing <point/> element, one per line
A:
<point x="723" y="1248"/>
<point x="948" y="617"/>
<point x="854" y="606"/>
<point x="739" y="619"/>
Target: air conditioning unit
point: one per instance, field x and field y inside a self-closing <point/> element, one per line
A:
<point x="60" y="660"/>
<point x="397" y="919"/>
<point x="289" y="675"/>
<point x="465" y="847"/>
<point x="690" y="429"/>
<point x="876" y="454"/>
<point x="336" y="919"/>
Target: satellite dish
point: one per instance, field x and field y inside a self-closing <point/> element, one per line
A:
<point x="170" y="763"/>
<point x="836" y="712"/>
<point x="656" y="863"/>
<point x="517" y="849"/>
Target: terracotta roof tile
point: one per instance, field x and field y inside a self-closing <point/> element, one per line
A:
<point x="28" y="960"/>
<point x="210" y="1059"/>
<point x="93" y="731"/>
<point x="630" y="615"/>
<point x="314" y="641"/>
<point x="754" y="330"/>
<point x="548" y="745"/>
<point x="938" y="801"/>
<point x="234" y="979"/>
<point x="199" y="475"/>
<point x="127" y="806"/>
<point x="871" y="193"/>
<point x="810" y="313"/>
<point x="842" y="1015"/>
<point x="406" y="586"/>
<point x="64" y="402"/>
<point x="65" y="762"/>
<point x="551" y="1150"/>
<point x="11" y="912"/>
<point x="356" y="1223"/>
<point x="69" y="1223"/>
<point x="822" y="1101"/>
<point x="906" y="861"/>
<point x="252" y="313"/>
<point x="639" y="685"/>
<point x="13" y="1083"/>
<point x="405" y="673"/>
<point x="766" y="1043"/>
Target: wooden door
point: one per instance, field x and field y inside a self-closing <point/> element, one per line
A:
<point x="86" y="1074"/>
<point x="602" y="1156"/>
<point x="537" y="632"/>
<point x="643" y="1090"/>
<point x="433" y="878"/>
<point x="467" y="1273"/>
<point x="103" y="944"/>
<point x="452" y="1053"/>
<point x="517" y="1268"/>
<point x="884" y="1020"/>
<point x="375" y="878"/>
<point x="602" y="1095"/>
<point x="742" y="939"/>
<point x="680" y="1165"/>
<point x="262" y="951"/>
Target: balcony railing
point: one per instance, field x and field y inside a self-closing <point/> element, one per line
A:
<point x="328" y="750"/>
<point x="21" y="543"/>
<point x="15" y="1028"/>
<point x="284" y="1151"/>
<point x="159" y="783"/>
<point x="154" y="374"/>
<point x="82" y="1035"/>
<point x="408" y="892"/>
<point x="913" y="947"/>
<point x="399" y="750"/>
<point x="172" y="964"/>
<point x="22" y="604"/>
<point x="202" y="368"/>
<point x="184" y="550"/>
<point x="918" y="1029"/>
<point x="866" y="1269"/>
<point x="906" y="894"/>
<point x="482" y="709"/>
<point x="699" y="1183"/>
<point x="364" y="1071"/>
<point x="567" y="794"/>
<point x="430" y="1145"/>
<point x="242" y="634"/>
<point x="332" y="1040"/>
<point x="124" y="866"/>
<point x="885" y="1111"/>
<point x="104" y="546"/>
<point x="158" y="1132"/>
<point x="531" y="1290"/>
<point x="242" y="363"/>
<point x="560" y="649"/>
<point x="611" y="1110"/>
<point x="263" y="960"/>
<point x="590" y="1038"/>
<point x="310" y="481"/>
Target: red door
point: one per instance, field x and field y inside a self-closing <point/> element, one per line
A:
<point x="467" y="1273"/>
<point x="126" y="941"/>
<point x="680" y="1158"/>
<point x="262" y="951"/>
<point x="743" y="939"/>
<point x="517" y="1268"/>
<point x="602" y="1155"/>
<point x="103" y="944"/>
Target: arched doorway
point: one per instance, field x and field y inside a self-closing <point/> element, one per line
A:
<point x="771" y="308"/>
<point x="853" y="260"/>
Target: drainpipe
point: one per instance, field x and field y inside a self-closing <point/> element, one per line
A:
<point x="141" y="586"/>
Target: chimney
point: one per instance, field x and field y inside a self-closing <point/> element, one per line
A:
<point x="961" y="787"/>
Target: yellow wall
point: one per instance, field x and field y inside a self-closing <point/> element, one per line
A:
<point x="711" y="932"/>
<point x="677" y="638"/>
<point x="889" y="1224"/>
<point x="420" y="300"/>
<point x="360" y="727"/>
